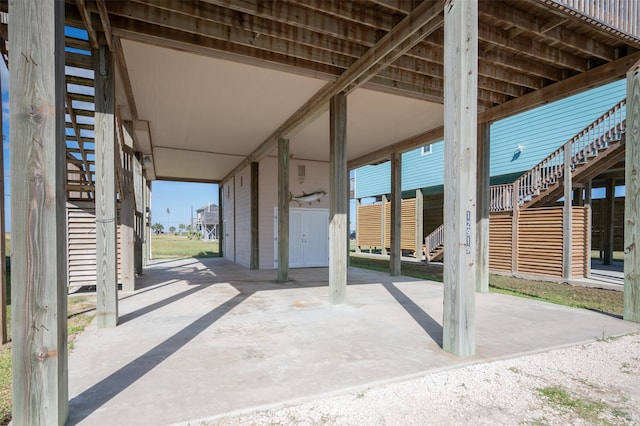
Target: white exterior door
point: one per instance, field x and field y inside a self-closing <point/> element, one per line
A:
<point x="308" y="238"/>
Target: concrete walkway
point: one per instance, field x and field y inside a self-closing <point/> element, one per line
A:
<point x="208" y="337"/>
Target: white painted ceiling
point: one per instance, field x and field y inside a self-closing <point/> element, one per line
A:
<point x="206" y="114"/>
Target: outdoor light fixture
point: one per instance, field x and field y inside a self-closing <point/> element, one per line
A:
<point x="301" y="173"/>
<point x="147" y="161"/>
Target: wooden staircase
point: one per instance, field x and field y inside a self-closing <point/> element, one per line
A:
<point x="595" y="149"/>
<point x="598" y="147"/>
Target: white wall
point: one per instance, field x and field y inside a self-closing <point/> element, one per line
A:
<point x="316" y="179"/>
<point x="228" y="213"/>
<point x="243" y="216"/>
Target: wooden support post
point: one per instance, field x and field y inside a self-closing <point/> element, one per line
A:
<point x="220" y="220"/>
<point x="460" y="116"/>
<point x="567" y="248"/>
<point x="482" y="213"/>
<point x="395" y="258"/>
<point x="138" y="191"/>
<point x="358" y="204"/>
<point x="587" y="193"/>
<point x="283" y="210"/>
<point x="609" y="217"/>
<point x="106" y="220"/>
<point x="127" y="227"/>
<point x="147" y="248"/>
<point x="254" y="260"/>
<point x="632" y="200"/>
<point x="588" y="203"/>
<point x="339" y="198"/>
<point x="38" y="215"/>
<point x="383" y="224"/>
<point x="3" y="266"/>
<point x="515" y="217"/>
<point x="419" y="223"/>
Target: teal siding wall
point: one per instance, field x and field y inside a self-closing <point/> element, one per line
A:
<point x="539" y="132"/>
<point x="542" y="130"/>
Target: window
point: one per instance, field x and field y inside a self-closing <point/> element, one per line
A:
<point x="426" y="150"/>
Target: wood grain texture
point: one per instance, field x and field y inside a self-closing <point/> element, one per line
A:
<point x="3" y="265"/>
<point x="395" y="257"/>
<point x="460" y="135"/>
<point x="283" y="210"/>
<point x="38" y="166"/>
<point x="254" y="261"/>
<point x="338" y="199"/>
<point x="567" y="228"/>
<point x="482" y="212"/>
<point x="632" y="200"/>
<point x="419" y="220"/>
<point x="106" y="220"/>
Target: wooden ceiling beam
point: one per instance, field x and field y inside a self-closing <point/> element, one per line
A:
<point x="529" y="23"/>
<point x="528" y="47"/>
<point x="421" y="16"/>
<point x="295" y="15"/>
<point x="106" y="25"/>
<point x="603" y="74"/>
<point x="354" y="11"/>
<point x="88" y="23"/>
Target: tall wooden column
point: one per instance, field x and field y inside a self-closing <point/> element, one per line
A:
<point x="419" y="223"/>
<point x="632" y="200"/>
<point x="383" y="223"/>
<point x="220" y="220"/>
<point x="38" y="220"/>
<point x="106" y="220"/>
<point x="148" y="220"/>
<point x="339" y="199"/>
<point x="254" y="259"/>
<point x="609" y="218"/>
<point x="138" y="192"/>
<point x="3" y="265"/>
<point x="482" y="213"/>
<point x="395" y="258"/>
<point x="567" y="246"/>
<point x="460" y="139"/>
<point x="283" y="210"/>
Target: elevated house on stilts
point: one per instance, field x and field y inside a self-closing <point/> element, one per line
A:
<point x="269" y="99"/>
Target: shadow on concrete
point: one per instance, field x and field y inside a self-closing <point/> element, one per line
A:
<point x="424" y="320"/>
<point x="99" y="394"/>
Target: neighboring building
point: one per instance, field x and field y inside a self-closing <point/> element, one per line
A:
<point x="207" y="220"/>
<point x="517" y="144"/>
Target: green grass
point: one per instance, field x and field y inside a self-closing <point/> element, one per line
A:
<point x="174" y="246"/>
<point x="617" y="255"/>
<point x="81" y="311"/>
<point x="584" y="408"/>
<point x="607" y="301"/>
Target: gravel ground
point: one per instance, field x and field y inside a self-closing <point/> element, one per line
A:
<point x="596" y="383"/>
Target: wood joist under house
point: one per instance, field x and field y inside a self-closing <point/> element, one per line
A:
<point x="274" y="99"/>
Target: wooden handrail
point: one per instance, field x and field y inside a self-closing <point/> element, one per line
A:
<point x="434" y="240"/>
<point x="588" y="141"/>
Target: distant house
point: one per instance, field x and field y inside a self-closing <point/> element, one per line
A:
<point x="207" y="220"/>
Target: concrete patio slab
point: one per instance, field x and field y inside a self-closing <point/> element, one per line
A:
<point x="207" y="337"/>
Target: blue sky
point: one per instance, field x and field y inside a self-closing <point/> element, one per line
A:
<point x="179" y="198"/>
